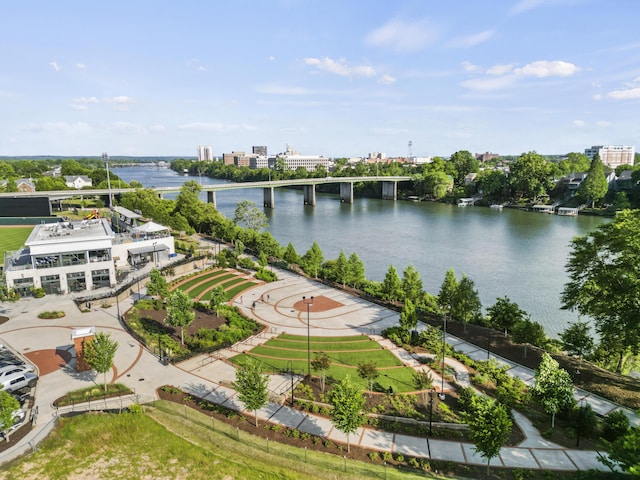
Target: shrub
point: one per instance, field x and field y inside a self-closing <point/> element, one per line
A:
<point x="374" y="456"/>
<point x="266" y="275"/>
<point x="414" y="462"/>
<point x="400" y="458"/>
<point x="615" y="424"/>
<point x="386" y="456"/>
<point x="135" y="409"/>
<point x="51" y="314"/>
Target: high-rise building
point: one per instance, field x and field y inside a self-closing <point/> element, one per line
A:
<point x="260" y="150"/>
<point x="612" y="155"/>
<point x="205" y="154"/>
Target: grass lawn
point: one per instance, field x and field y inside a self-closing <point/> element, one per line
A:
<point x="345" y="354"/>
<point x="12" y="238"/>
<point x="145" y="446"/>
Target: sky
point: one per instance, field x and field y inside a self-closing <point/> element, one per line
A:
<point x="332" y="77"/>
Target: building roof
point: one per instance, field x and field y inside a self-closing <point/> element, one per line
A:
<point x="150" y="227"/>
<point x="68" y="232"/>
<point x="125" y="212"/>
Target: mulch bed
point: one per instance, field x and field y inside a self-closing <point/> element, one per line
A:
<point x="202" y="320"/>
<point x="621" y="389"/>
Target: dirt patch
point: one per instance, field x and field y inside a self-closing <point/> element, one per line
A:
<point x="320" y="304"/>
<point x="202" y="320"/>
<point x="49" y="361"/>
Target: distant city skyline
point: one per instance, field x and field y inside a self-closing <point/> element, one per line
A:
<point x="338" y="79"/>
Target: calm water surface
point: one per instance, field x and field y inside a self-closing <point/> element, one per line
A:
<point x="509" y="252"/>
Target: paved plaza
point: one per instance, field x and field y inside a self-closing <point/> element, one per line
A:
<point x="278" y="306"/>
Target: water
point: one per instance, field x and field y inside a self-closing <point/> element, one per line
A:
<point x="518" y="254"/>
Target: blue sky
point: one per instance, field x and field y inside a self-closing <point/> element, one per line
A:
<point x="334" y="78"/>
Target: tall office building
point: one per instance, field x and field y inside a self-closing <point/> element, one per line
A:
<point x="612" y="155"/>
<point x="205" y="154"/>
<point x="260" y="150"/>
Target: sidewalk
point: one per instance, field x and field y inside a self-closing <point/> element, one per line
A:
<point x="209" y="377"/>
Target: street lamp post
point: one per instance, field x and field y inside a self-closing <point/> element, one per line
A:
<point x="155" y="259"/>
<point x="308" y="302"/>
<point x="105" y="159"/>
<point x="444" y="343"/>
<point x="430" y="410"/>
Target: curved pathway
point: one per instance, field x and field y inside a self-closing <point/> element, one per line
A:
<point x="206" y="376"/>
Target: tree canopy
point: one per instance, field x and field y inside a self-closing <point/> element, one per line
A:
<point x="251" y="384"/>
<point x="99" y="353"/>
<point x="604" y="282"/>
<point x="553" y="388"/>
<point x="180" y="311"/>
<point x="347" y="403"/>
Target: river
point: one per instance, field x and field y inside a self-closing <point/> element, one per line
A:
<point x="505" y="252"/>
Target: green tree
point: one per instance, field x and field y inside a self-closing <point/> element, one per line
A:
<point x="575" y="162"/>
<point x="290" y="255"/>
<point x="530" y="176"/>
<point x="8" y="405"/>
<point x="505" y="314"/>
<point x="489" y="427"/>
<point x="321" y="363"/>
<point x="342" y="268"/>
<point x="251" y="385"/>
<point x="411" y="285"/>
<point x="466" y="305"/>
<point x="577" y="340"/>
<point x="248" y="215"/>
<point x="604" y="282"/>
<point x="99" y="353"/>
<point x="157" y="284"/>
<point x="623" y="453"/>
<point x="356" y="272"/>
<point x="188" y="204"/>
<point x="408" y="317"/>
<point x="447" y="294"/>
<point x="391" y="286"/>
<point x="368" y="371"/>
<point x="493" y="184"/>
<point x="347" y="403"/>
<point x="553" y="388"/>
<point x="595" y="186"/>
<point x="528" y="332"/>
<point x="423" y="380"/>
<point x="180" y="311"/>
<point x="312" y="260"/>
<point x="11" y="186"/>
<point x="463" y="163"/>
<point x="50" y="184"/>
<point x="217" y="297"/>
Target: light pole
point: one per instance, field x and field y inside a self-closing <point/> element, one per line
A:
<point x="430" y="410"/>
<point x="444" y="343"/>
<point x="308" y="302"/>
<point x="155" y="260"/>
<point x="105" y="159"/>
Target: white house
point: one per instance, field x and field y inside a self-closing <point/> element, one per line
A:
<point x="78" y="181"/>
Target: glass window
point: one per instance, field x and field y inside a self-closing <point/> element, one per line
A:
<point x="50" y="283"/>
<point x="76" y="281"/>
<point x="100" y="278"/>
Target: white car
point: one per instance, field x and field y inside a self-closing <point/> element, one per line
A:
<point x="18" y="417"/>
<point x="11" y="369"/>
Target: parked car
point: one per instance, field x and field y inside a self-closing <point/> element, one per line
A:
<point x="18" y="417"/>
<point x="16" y="381"/>
<point x="11" y="369"/>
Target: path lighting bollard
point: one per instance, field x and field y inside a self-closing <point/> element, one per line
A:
<point x="308" y="302"/>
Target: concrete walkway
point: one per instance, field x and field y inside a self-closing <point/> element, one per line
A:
<point x="210" y="377"/>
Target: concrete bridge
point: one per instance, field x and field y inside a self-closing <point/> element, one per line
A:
<point x="389" y="189"/>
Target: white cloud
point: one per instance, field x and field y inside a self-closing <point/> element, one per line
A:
<point x="403" y="36"/>
<point x="386" y="79"/>
<point x="626" y="94"/>
<point x="602" y="123"/>
<point x="525" y="5"/>
<point x="127" y="128"/>
<point x="55" y="66"/>
<point x="340" y="67"/>
<point x="546" y="68"/>
<point x="470" y="67"/>
<point x="499" y="69"/>
<point x="120" y="103"/>
<point x="271" y="58"/>
<point x="158" y="129"/>
<point x="80" y="66"/>
<point x="579" y="123"/>
<point x="471" y="40"/>
<point x="597" y="96"/>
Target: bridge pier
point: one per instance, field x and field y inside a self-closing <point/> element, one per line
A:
<point x="309" y="194"/>
<point x="268" y="198"/>
<point x="211" y="198"/>
<point x="389" y="190"/>
<point x="346" y="192"/>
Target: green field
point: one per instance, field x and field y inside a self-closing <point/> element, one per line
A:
<point x="12" y="238"/>
<point x="171" y="441"/>
<point x="290" y="351"/>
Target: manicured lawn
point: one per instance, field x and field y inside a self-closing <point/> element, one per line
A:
<point x="290" y="351"/>
<point x="12" y="238"/>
